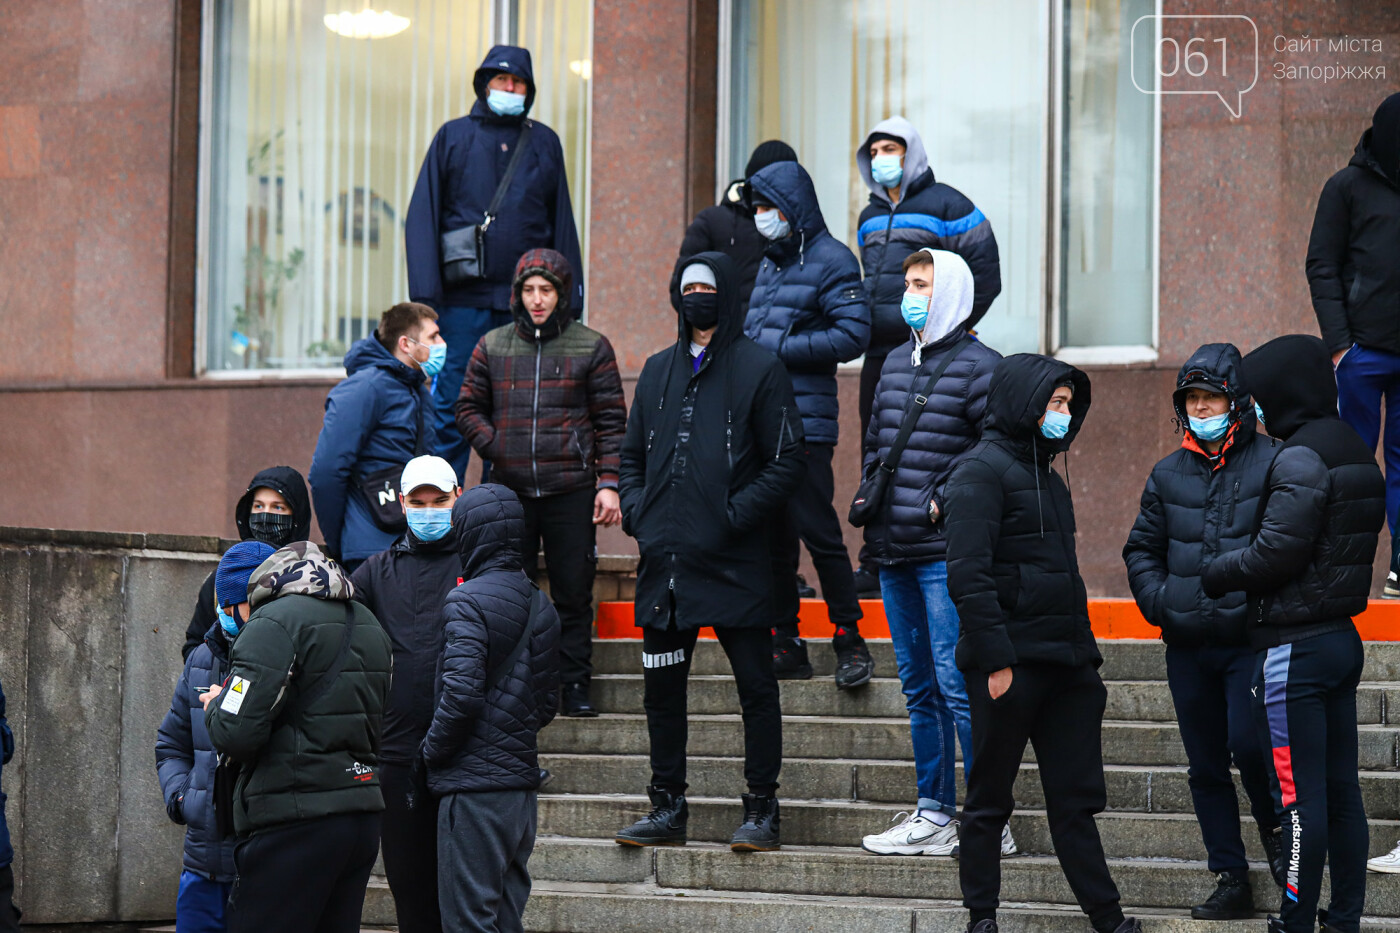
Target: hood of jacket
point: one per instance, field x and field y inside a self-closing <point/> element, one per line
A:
<point x="299" y="569"/>
<point x="288" y="484"/>
<point x="951" y="302"/>
<point x="489" y="523"/>
<point x="1219" y="366"/>
<point x="510" y="59"/>
<point x="555" y="268"/>
<point x="915" y="156"/>
<point x="731" y="314"/>
<point x="1021" y="388"/>
<point x="369" y="353"/>
<point x="788" y="187"/>
<point x="1292" y="379"/>
<point x="1379" y="148"/>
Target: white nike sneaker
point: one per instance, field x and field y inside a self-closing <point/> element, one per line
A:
<point x="1387" y="864"/>
<point x="916" y="835"/>
<point x="1008" y="844"/>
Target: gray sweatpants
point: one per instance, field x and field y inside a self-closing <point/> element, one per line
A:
<point x="484" y="843"/>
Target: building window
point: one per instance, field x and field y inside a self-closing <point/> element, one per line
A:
<point x="975" y="79"/>
<point x="317" y="123"/>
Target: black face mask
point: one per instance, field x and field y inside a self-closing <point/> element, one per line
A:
<point x="274" y="528"/>
<point x="700" y="309"/>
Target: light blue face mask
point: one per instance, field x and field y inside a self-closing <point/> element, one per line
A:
<point x="504" y="103"/>
<point x="228" y="624"/>
<point x="1259" y="413"/>
<point x="914" y="308"/>
<point x="429" y="524"/>
<point x="771" y="225"/>
<point x="437" y="357"/>
<point x="1210" y="429"/>
<point x="887" y="169"/>
<point x="1055" y="425"/>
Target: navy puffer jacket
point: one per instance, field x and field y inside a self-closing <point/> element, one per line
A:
<point x="480" y="741"/>
<point x="807" y="305"/>
<point x="185" y="760"/>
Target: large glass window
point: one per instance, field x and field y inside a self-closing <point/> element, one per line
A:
<point x="321" y="114"/>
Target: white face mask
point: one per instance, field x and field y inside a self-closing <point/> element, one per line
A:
<point x="771" y="224"/>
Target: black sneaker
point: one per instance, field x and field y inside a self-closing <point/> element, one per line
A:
<point x="805" y="590"/>
<point x="759" y="832"/>
<point x="1129" y="925"/>
<point x="1322" y="926"/>
<point x="1232" y="900"/>
<point x="983" y="926"/>
<point x="1392" y="580"/>
<point x="867" y="584"/>
<point x="1275" y="925"/>
<point x="574" y="702"/>
<point x="1272" y="840"/>
<point x="854" y="666"/>
<point x="790" y="658"/>
<point x="663" y="826"/>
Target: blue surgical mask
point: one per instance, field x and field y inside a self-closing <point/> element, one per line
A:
<point x="915" y="310"/>
<point x="1055" y="425"/>
<point x="429" y="524"/>
<point x="437" y="358"/>
<point x="887" y="170"/>
<point x="228" y="624"/>
<point x="771" y="225"/>
<point x="1259" y="413"/>
<point x="1210" y="429"/>
<point x="504" y="103"/>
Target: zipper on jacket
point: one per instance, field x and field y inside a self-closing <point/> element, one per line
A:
<point x="782" y="429"/>
<point x="1230" y="507"/>
<point x="672" y="585"/>
<point x="581" y="458"/>
<point x="651" y="436"/>
<point x="535" y="414"/>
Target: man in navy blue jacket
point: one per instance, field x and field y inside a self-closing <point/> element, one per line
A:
<point x="460" y="174"/>
<point x="808" y="309"/>
<point x="9" y="913"/>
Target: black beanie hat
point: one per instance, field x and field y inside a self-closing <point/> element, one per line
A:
<point x="876" y="137"/>
<point x="766" y="153"/>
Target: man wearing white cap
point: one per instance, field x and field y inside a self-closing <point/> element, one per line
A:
<point x="406" y="588"/>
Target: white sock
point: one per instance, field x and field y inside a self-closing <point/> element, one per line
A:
<point x="936" y="817"/>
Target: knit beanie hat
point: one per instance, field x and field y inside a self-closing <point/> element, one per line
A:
<point x="876" y="137"/>
<point x="698" y="272"/>
<point x="235" y="568"/>
<point x="766" y="153"/>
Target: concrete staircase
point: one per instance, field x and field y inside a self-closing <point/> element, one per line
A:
<point x="847" y="771"/>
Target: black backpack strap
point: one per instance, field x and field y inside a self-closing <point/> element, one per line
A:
<point x="510" y="173"/>
<point x="537" y="604"/>
<point x="308" y="697"/>
<point x="915" y="406"/>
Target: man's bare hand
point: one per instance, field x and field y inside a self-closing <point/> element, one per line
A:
<point x="998" y="682"/>
<point x="211" y="694"/>
<point x="607" y="508"/>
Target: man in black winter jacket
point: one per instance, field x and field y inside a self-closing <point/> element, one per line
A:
<point x="728" y="227"/>
<point x="405" y="587"/>
<point x="1026" y="649"/>
<point x="498" y="685"/>
<point x="462" y="169"/>
<point x="808" y="310"/>
<point x="712" y="453"/>
<point x="1199" y="501"/>
<point x="1354" y="272"/>
<point x="1307" y="572"/>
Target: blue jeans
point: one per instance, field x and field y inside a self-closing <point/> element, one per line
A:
<point x="924" y="628"/>
<point x="200" y="905"/>
<point x="1364" y="377"/>
<point x="463" y="329"/>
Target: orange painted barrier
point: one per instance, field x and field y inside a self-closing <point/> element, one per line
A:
<point x="1111" y="618"/>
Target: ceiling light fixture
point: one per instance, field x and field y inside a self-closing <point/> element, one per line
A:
<point x="366" y="24"/>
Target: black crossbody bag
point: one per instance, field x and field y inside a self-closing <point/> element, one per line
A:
<point x="874" y="485"/>
<point x="464" y="249"/>
<point x="381" y="488"/>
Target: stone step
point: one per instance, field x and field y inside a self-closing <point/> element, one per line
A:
<point x="850" y="872"/>
<point x="1127" y="743"/>
<point x="1161" y="789"/>
<point x="1124" y="659"/>
<point x="844" y="823"/>
<point x="559" y="907"/>
<point x="1128" y="700"/>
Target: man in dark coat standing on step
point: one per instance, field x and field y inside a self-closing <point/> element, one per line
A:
<point x="808" y="309"/>
<point x="1307" y="571"/>
<point x="463" y="168"/>
<point x="712" y="452"/>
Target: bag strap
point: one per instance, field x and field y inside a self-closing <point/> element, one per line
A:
<point x="537" y="604"/>
<point x="323" y="683"/>
<point x="510" y="173"/>
<point x="420" y="443"/>
<point x="915" y="406"/>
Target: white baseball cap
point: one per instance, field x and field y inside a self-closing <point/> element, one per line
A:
<point x="428" y="471"/>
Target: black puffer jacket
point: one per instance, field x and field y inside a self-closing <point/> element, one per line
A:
<point x="288" y="484"/>
<point x="728" y="227"/>
<point x="1012" y="569"/>
<point x="1308" y="569"/>
<point x="1354" y="252"/>
<point x="406" y="588"/>
<point x="1196" y="507"/>
<point x="708" y="458"/>
<point x="481" y="741"/>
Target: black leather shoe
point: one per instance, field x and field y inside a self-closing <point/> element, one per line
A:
<point x="1233" y="899"/>
<point x="1273" y="854"/>
<point x="759" y="831"/>
<point x="574" y="702"/>
<point x="867" y="584"/>
<point x="983" y="926"/>
<point x="805" y="590"/>
<point x="663" y="826"/>
<point x="790" y="658"/>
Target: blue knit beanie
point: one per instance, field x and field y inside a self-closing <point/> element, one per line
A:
<point x="237" y="565"/>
